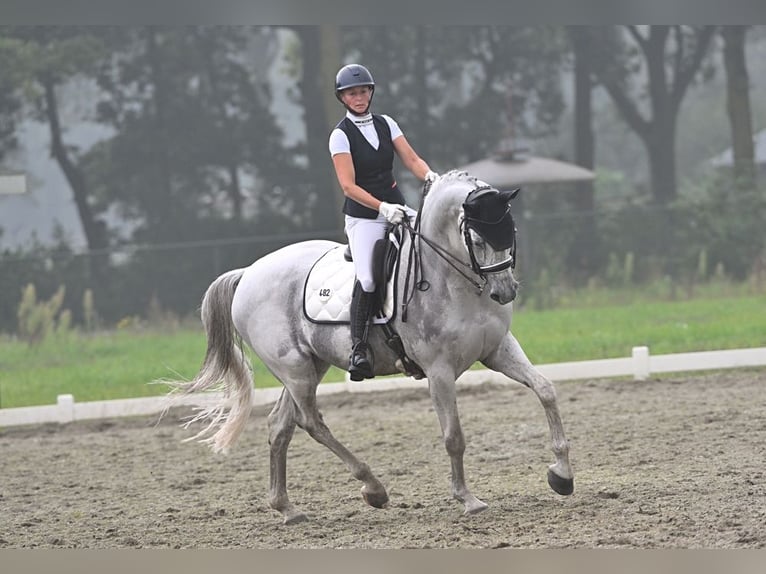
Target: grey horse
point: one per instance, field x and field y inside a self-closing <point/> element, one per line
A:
<point x="464" y="316"/>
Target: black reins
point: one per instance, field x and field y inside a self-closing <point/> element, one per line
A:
<point x="415" y="261"/>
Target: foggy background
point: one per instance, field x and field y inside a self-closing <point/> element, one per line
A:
<point x="156" y="158"/>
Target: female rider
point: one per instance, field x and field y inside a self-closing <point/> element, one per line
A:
<point x="362" y="146"/>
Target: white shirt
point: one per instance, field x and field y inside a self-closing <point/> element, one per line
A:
<point x="339" y="141"/>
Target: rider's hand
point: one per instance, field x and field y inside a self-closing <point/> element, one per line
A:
<point x="431" y="176"/>
<point x="393" y="212"/>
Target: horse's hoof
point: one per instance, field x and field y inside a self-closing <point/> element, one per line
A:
<point x="476" y="508"/>
<point x="295" y="518"/>
<point x="375" y="499"/>
<point x="563" y="486"/>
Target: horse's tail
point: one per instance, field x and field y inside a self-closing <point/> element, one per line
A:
<point x="226" y="369"/>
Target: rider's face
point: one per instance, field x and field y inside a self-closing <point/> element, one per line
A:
<point x="357" y="98"/>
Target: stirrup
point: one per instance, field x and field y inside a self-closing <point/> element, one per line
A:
<point x="403" y="362"/>
<point x="360" y="365"/>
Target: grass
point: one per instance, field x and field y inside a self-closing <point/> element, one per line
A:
<point x="109" y="365"/>
<point x="665" y="327"/>
<point x="119" y="364"/>
<point x="95" y="367"/>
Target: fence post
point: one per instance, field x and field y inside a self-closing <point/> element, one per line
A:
<point x="640" y="363"/>
<point x="65" y="405"/>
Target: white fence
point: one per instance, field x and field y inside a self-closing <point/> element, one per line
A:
<point x="638" y="366"/>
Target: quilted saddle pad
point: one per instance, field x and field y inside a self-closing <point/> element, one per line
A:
<point x="328" y="290"/>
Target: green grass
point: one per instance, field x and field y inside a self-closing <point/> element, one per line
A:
<point x="105" y="366"/>
<point x="665" y="327"/>
<point x="119" y="364"/>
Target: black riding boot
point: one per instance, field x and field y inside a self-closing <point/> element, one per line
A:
<point x="361" y="360"/>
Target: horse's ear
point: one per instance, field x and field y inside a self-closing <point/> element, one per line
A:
<point x="509" y="195"/>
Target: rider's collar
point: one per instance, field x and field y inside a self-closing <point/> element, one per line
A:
<point x="360" y="121"/>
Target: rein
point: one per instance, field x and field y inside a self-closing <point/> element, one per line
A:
<point x="415" y="262"/>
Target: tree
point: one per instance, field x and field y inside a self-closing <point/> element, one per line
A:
<point x="738" y="105"/>
<point x="319" y="61"/>
<point x="10" y="101"/>
<point x="647" y="79"/>
<point x="192" y="123"/>
<point x="449" y="86"/>
<point x="47" y="57"/>
<point x="584" y="250"/>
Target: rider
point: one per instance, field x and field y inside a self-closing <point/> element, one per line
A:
<point x="362" y="146"/>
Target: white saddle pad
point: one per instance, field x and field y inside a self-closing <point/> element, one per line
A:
<point x="328" y="290"/>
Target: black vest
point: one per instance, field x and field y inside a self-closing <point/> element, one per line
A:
<point x="373" y="168"/>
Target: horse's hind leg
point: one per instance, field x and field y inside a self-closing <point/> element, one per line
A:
<point x="310" y="419"/>
<point x="281" y="429"/>
<point x="510" y="359"/>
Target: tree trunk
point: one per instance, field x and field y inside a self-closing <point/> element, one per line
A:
<point x="585" y="249"/>
<point x="660" y="148"/>
<point x="665" y="95"/>
<point x="95" y="232"/>
<point x="218" y="105"/>
<point x="320" y="52"/>
<point x="235" y="192"/>
<point x="738" y="105"/>
<point x="659" y="139"/>
<point x="164" y="206"/>
<point x="421" y="92"/>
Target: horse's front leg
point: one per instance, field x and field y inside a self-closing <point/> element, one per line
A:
<point x="443" y="395"/>
<point x="509" y="358"/>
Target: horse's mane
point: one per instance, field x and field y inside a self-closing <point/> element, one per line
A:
<point x="457" y="175"/>
<point x="452" y="187"/>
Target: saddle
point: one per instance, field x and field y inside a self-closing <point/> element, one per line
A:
<point x="329" y="286"/>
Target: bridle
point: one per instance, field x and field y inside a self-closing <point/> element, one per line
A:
<point x="487" y="229"/>
<point x="468" y="271"/>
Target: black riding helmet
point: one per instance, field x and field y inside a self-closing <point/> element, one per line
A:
<point x="351" y="76"/>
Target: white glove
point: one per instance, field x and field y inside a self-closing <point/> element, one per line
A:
<point x="431" y="175"/>
<point x="393" y="212"/>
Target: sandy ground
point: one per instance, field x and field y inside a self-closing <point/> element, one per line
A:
<point x="671" y="463"/>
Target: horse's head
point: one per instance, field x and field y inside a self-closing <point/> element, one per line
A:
<point x="477" y="220"/>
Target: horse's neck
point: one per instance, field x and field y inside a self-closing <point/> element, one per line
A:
<point x="440" y="222"/>
<point x="438" y="250"/>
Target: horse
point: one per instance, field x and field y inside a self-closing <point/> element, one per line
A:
<point x="456" y="304"/>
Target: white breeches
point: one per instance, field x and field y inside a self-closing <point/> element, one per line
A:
<point x="362" y="235"/>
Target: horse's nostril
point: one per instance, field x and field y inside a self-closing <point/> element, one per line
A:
<point x="494" y="297"/>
